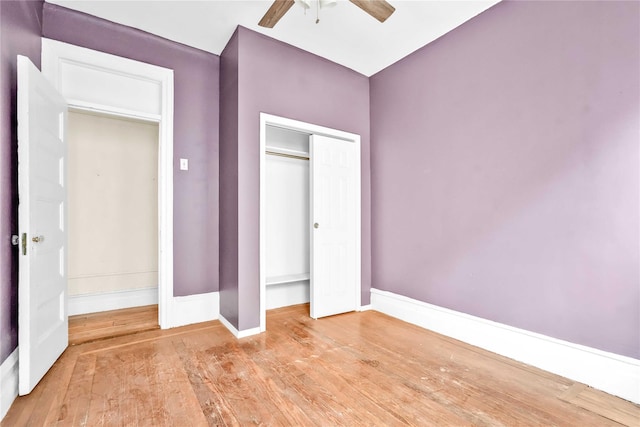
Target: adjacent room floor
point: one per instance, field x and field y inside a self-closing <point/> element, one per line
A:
<point x="352" y="369"/>
<point x="90" y="327"/>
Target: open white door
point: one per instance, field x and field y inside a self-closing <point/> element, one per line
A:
<point x="335" y="208"/>
<point x="42" y="311"/>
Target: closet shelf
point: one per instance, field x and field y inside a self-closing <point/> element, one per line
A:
<point x="286" y="151"/>
<point x="278" y="280"/>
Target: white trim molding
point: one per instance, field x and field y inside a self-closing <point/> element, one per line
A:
<point x="105" y="301"/>
<point x="100" y="82"/>
<point x="186" y="310"/>
<point x="609" y="372"/>
<point x="239" y="334"/>
<point x="8" y="382"/>
<point x="194" y="309"/>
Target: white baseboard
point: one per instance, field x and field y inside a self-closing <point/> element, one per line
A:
<point x="286" y="294"/>
<point x="365" y="307"/>
<point x="93" y="303"/>
<point x="236" y="333"/>
<point x="194" y="309"/>
<point x="8" y="382"/>
<point x="609" y="372"/>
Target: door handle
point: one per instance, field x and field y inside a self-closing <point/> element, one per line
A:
<point x="316" y="225"/>
<point x="37" y="239"/>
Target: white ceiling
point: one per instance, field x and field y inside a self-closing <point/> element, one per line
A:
<point x="345" y="34"/>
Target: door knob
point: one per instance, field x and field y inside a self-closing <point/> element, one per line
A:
<point x="316" y="225"/>
<point x="37" y="239"/>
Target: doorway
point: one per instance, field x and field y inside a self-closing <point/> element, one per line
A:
<point x="118" y="87"/>
<point x="112" y="172"/>
<point x="313" y="250"/>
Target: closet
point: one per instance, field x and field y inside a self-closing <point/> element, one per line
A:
<point x="309" y="217"/>
<point x="287" y="217"/>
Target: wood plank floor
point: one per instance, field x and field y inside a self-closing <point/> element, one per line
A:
<point x="354" y="369"/>
<point x="108" y="324"/>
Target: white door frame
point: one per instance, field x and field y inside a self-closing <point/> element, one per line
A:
<point x="96" y="81"/>
<point x="285" y="123"/>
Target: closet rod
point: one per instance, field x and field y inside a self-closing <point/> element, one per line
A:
<point x="291" y="156"/>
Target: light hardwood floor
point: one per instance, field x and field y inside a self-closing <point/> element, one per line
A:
<point x="109" y="324"/>
<point x="354" y="369"/>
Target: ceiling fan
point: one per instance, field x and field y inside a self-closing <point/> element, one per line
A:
<point x="379" y="9"/>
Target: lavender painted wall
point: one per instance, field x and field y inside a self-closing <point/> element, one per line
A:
<point x="229" y="181"/>
<point x="196" y="80"/>
<point x="505" y="169"/>
<point x="20" y="28"/>
<point x="278" y="79"/>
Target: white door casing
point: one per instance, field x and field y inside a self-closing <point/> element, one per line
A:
<point x="334" y="210"/>
<point x="96" y="81"/>
<point x="42" y="312"/>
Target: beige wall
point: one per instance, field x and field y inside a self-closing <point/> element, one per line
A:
<point x="113" y="204"/>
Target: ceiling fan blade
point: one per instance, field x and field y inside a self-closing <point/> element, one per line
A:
<point x="379" y="9"/>
<point x="275" y="12"/>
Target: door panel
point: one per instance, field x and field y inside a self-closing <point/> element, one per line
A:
<point x="42" y="314"/>
<point x="334" y="210"/>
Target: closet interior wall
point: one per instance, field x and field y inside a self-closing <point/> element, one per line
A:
<point x="287" y="217"/>
<point x="113" y="211"/>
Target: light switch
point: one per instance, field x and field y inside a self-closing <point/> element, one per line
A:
<point x="184" y="164"/>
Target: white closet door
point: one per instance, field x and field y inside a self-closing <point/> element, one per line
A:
<point x="42" y="312"/>
<point x="335" y="206"/>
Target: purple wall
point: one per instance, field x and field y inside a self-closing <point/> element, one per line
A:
<point x="196" y="80"/>
<point x="279" y="79"/>
<point x="19" y="35"/>
<point x="229" y="181"/>
<point x="505" y="168"/>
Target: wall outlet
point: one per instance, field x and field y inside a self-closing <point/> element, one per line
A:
<point x="184" y="164"/>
